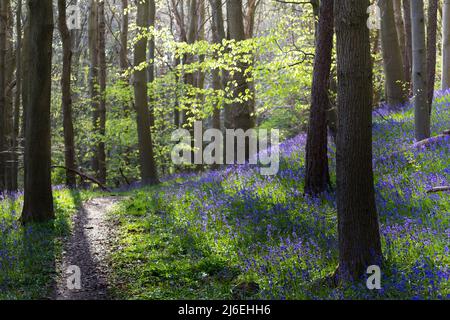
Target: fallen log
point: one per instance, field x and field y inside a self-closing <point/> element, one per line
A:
<point x="85" y="177"/>
<point x="430" y="141"/>
<point x="439" y="189"/>
<point x="424" y="143"/>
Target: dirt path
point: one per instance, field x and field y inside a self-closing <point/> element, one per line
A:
<point x="88" y="249"/>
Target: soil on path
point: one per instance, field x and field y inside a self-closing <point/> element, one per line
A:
<point x="88" y="249"/>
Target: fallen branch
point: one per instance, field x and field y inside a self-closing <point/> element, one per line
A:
<point x="430" y="141"/>
<point x="439" y="189"/>
<point x="424" y="143"/>
<point x="84" y="176"/>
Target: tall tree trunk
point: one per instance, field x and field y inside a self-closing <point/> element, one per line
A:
<point x="101" y="121"/>
<point x="17" y="102"/>
<point x="431" y="49"/>
<point x="148" y="165"/>
<point x="446" y="45"/>
<point x="359" y="237"/>
<point x="420" y="87"/>
<point x="9" y="115"/>
<point x="69" y="141"/>
<point x="38" y="198"/>
<point x="218" y="31"/>
<point x="123" y="54"/>
<point x="93" y="74"/>
<point x="408" y="40"/>
<point x="97" y="85"/>
<point x="317" y="172"/>
<point x="3" y="148"/>
<point x="238" y="115"/>
<point x="151" y="57"/>
<point x="392" y="58"/>
<point x="189" y="79"/>
<point x="400" y="27"/>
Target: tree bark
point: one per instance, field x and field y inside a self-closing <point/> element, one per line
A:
<point x="3" y="148"/>
<point x="358" y="228"/>
<point x="431" y="49"/>
<point x="69" y="141"/>
<point x="239" y="115"/>
<point x="392" y="58"/>
<point x="38" y="198"/>
<point x="408" y="41"/>
<point x="420" y="87"/>
<point x="446" y="45"/>
<point x="148" y="165"/>
<point x="400" y="27"/>
<point x="17" y="102"/>
<point x="218" y="31"/>
<point x="151" y="58"/>
<point x="94" y="77"/>
<point x="317" y="172"/>
<point x="9" y="114"/>
<point x="101" y="121"/>
<point x="123" y="54"/>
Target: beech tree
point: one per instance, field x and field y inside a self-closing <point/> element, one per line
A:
<point x="392" y="58"/>
<point x="317" y="172"/>
<point x="148" y="165"/>
<point x="69" y="143"/>
<point x="358" y="228"/>
<point x="445" y="45"/>
<point x="38" y="198"/>
<point x="431" y="49"/>
<point x="419" y="65"/>
<point x="3" y="27"/>
<point x="240" y="114"/>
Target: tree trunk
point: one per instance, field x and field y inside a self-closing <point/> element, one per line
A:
<point x="9" y="115"/>
<point x="3" y="148"/>
<point x="392" y="58"/>
<point x="400" y="27"/>
<point x="359" y="238"/>
<point x="446" y="45"/>
<point x="148" y="165"/>
<point x="317" y="172"/>
<point x="151" y="58"/>
<point x="218" y="31"/>
<point x="408" y="40"/>
<point x="17" y="102"/>
<point x="420" y="87"/>
<point x="431" y="49"/>
<point x="101" y="121"/>
<point x="238" y="115"/>
<point x="69" y="144"/>
<point x="94" y="77"/>
<point x="38" y="199"/>
<point x="123" y="54"/>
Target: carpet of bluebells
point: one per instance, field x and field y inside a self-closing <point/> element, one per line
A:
<point x="234" y="234"/>
<point x="237" y="234"/>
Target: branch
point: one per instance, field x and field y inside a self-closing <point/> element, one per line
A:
<point x="84" y="176"/>
<point x="439" y="189"/>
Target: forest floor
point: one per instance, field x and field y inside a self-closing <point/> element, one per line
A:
<point x="234" y="234"/>
<point x="88" y="248"/>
